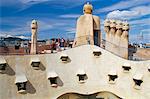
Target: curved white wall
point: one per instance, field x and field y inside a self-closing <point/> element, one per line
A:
<point x="96" y="68"/>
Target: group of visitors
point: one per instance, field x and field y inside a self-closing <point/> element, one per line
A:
<point x="60" y="44"/>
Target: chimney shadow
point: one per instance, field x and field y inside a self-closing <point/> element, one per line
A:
<point x="42" y="67"/>
<point x="59" y="82"/>
<point x="9" y="71"/>
<point x="29" y="88"/>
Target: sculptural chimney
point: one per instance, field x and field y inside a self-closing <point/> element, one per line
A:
<point x="117" y="38"/>
<point x="34" y="27"/>
<point x="107" y="31"/>
<point x="88" y="28"/>
<point x="125" y="39"/>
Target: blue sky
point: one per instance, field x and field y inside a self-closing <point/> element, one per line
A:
<point x="57" y="18"/>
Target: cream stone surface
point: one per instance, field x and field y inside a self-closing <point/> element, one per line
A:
<point x="107" y="31"/>
<point x="20" y="79"/>
<point x="125" y="40"/>
<point x="34" y="27"/>
<point x="96" y="68"/>
<point x="2" y="60"/>
<point x="101" y="95"/>
<point x="117" y="37"/>
<point x="88" y="8"/>
<point x="87" y="26"/>
<point x="51" y="74"/>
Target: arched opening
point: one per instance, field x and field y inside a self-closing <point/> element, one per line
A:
<point x="99" y="95"/>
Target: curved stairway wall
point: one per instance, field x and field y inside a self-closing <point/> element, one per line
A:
<point x="96" y="68"/>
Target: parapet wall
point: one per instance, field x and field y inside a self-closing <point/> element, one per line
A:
<point x="96" y="68"/>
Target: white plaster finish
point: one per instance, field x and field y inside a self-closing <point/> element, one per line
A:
<point x="2" y="60"/>
<point x="20" y="79"/>
<point x="35" y="59"/>
<point x="81" y="72"/>
<point x="51" y="74"/>
<point x="82" y="57"/>
<point x="34" y="27"/>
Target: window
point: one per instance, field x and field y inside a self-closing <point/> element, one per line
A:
<point x="2" y="64"/>
<point x="21" y="82"/>
<point x="21" y="86"/>
<point x="149" y="68"/>
<point x="52" y="77"/>
<point x="35" y="62"/>
<point x="138" y="80"/>
<point x="126" y="67"/>
<point x="64" y="58"/>
<point x="53" y="81"/>
<point x="112" y="76"/>
<point x="81" y="76"/>
<point x="17" y="46"/>
<point x="97" y="52"/>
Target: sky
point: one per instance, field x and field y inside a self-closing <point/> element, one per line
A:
<point x="57" y="18"/>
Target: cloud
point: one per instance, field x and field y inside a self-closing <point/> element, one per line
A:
<point x="33" y="1"/>
<point x="9" y="2"/>
<point x="62" y="4"/>
<point x="44" y="25"/>
<point x="71" y="30"/>
<point x="146" y="30"/>
<point x="145" y="21"/>
<point x="142" y="10"/>
<point x="23" y="37"/>
<point x="23" y="26"/>
<point x="122" y="15"/>
<point x="122" y="5"/>
<point x="7" y="35"/>
<point x="132" y="13"/>
<point x="2" y="35"/>
<point x="69" y="16"/>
